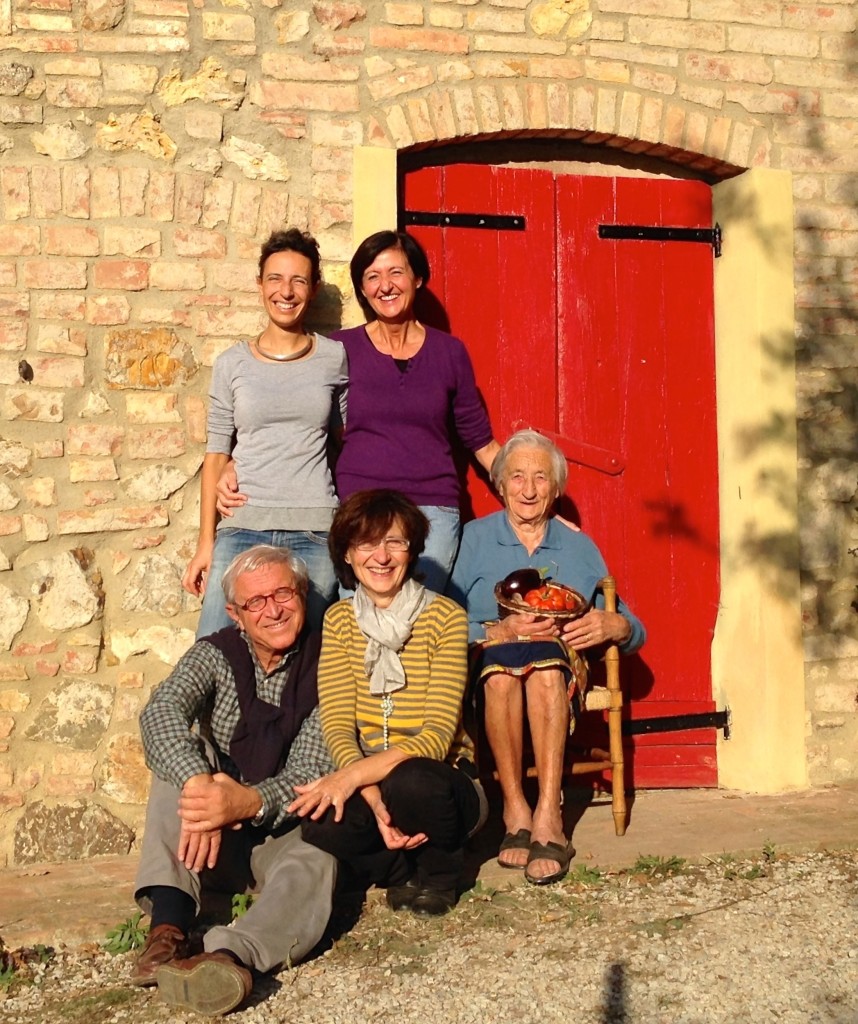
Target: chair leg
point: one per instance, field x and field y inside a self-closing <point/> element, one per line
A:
<point x="618" y="790"/>
<point x="615" y="717"/>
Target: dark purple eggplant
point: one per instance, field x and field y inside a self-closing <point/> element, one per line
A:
<point x="520" y="582"/>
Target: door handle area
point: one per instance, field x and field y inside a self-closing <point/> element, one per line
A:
<point x="582" y="454"/>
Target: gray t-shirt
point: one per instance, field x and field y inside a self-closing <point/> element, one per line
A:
<point x="274" y="418"/>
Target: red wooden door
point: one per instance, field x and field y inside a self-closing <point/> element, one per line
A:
<point x="608" y="346"/>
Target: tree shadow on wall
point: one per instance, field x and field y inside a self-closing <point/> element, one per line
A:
<point x="826" y="426"/>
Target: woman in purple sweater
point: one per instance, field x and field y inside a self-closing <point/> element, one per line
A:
<point x="411" y="393"/>
<point x="408" y="383"/>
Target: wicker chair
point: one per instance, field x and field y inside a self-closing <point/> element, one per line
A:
<point x="598" y="698"/>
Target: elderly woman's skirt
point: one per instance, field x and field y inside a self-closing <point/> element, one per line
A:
<point x="521" y="657"/>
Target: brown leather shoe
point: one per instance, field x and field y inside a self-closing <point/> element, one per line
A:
<point x="165" y="943"/>
<point x="209" y="983"/>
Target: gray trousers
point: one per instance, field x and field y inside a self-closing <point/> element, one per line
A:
<point x="294" y="882"/>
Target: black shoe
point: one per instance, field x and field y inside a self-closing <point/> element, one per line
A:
<point x="400" y="897"/>
<point x="433" y="902"/>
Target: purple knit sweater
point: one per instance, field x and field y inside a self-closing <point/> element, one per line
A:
<point x="400" y="422"/>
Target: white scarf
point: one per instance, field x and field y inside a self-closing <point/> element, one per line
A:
<point x="387" y="630"/>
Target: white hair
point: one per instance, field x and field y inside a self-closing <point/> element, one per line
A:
<point x="264" y="554"/>
<point x="530" y="439"/>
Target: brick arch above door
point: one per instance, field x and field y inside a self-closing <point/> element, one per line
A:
<point x="757" y="655"/>
<point x="711" y="142"/>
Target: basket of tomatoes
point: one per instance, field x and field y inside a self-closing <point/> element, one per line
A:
<point x="525" y="590"/>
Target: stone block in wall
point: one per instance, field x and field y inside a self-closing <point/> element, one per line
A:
<point x="560" y="17"/>
<point x="35" y="528"/>
<point x="231" y="27"/>
<point x="66" y="589"/>
<point x="337" y="14"/>
<point x="821" y="535"/>
<point x="125" y="777"/>
<point x="254" y="160"/>
<point x="292" y="26"/>
<point x="836" y="697"/>
<point x="75" y="714"/>
<point x="8" y="498"/>
<point x="41" y="491"/>
<point x="156" y="483"/>
<point x="166" y="643"/>
<point x="9" y="525"/>
<point x="14" y="700"/>
<point x="14" y="77"/>
<point x="45" y="371"/>
<point x="111" y="520"/>
<point x="150" y="358"/>
<point x="29" y="404"/>
<point x="156" y="442"/>
<point x="15" y="458"/>
<point x="14" y="610"/>
<point x="73" y="831"/>
<point x="210" y="83"/>
<point x="122" y="79"/>
<point x="92" y="470"/>
<point x="155" y="586"/>
<point x="80" y="662"/>
<point x="139" y="132"/>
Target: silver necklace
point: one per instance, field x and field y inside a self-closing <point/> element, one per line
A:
<point x="289" y="356"/>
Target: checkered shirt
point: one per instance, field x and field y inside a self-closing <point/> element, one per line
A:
<point x="201" y="689"/>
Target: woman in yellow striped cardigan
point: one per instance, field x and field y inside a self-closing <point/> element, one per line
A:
<point x="392" y="676"/>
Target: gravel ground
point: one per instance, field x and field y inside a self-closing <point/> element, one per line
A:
<point x="770" y="939"/>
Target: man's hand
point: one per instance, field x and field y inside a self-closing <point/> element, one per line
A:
<point x="198" y="850"/>
<point x="210" y="802"/>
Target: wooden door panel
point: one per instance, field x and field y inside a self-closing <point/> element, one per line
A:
<point x="606" y="344"/>
<point x="498" y="290"/>
<point x="657" y="523"/>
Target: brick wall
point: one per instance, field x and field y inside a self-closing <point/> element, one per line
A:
<point x="146" y="146"/>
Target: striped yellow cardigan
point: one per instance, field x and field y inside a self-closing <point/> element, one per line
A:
<point x="427" y="716"/>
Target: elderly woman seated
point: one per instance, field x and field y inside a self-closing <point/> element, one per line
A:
<point x="526" y="659"/>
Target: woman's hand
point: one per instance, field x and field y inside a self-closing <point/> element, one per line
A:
<point x="595" y="628"/>
<point x="194" y="577"/>
<point x="226" y="489"/>
<point x="390" y="834"/>
<point x="536" y="627"/>
<point x="317" y="798"/>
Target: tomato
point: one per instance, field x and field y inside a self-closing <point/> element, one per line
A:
<point x="571" y="602"/>
<point x="533" y="599"/>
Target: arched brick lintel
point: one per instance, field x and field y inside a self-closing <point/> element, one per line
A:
<point x="711" y="142"/>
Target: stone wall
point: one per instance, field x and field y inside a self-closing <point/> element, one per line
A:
<point x="146" y="147"/>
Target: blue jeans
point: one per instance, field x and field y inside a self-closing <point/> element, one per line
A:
<point x="309" y="545"/>
<point x="442" y="546"/>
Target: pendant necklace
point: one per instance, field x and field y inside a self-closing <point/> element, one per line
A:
<point x="386" y="711"/>
<point x="284" y="358"/>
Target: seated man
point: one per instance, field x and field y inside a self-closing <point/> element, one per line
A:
<point x="216" y="816"/>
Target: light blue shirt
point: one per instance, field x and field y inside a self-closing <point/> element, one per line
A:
<point x="490" y="551"/>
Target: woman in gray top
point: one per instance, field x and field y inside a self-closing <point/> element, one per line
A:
<point x="271" y="404"/>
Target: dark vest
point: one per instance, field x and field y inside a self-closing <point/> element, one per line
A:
<point x="261" y="741"/>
